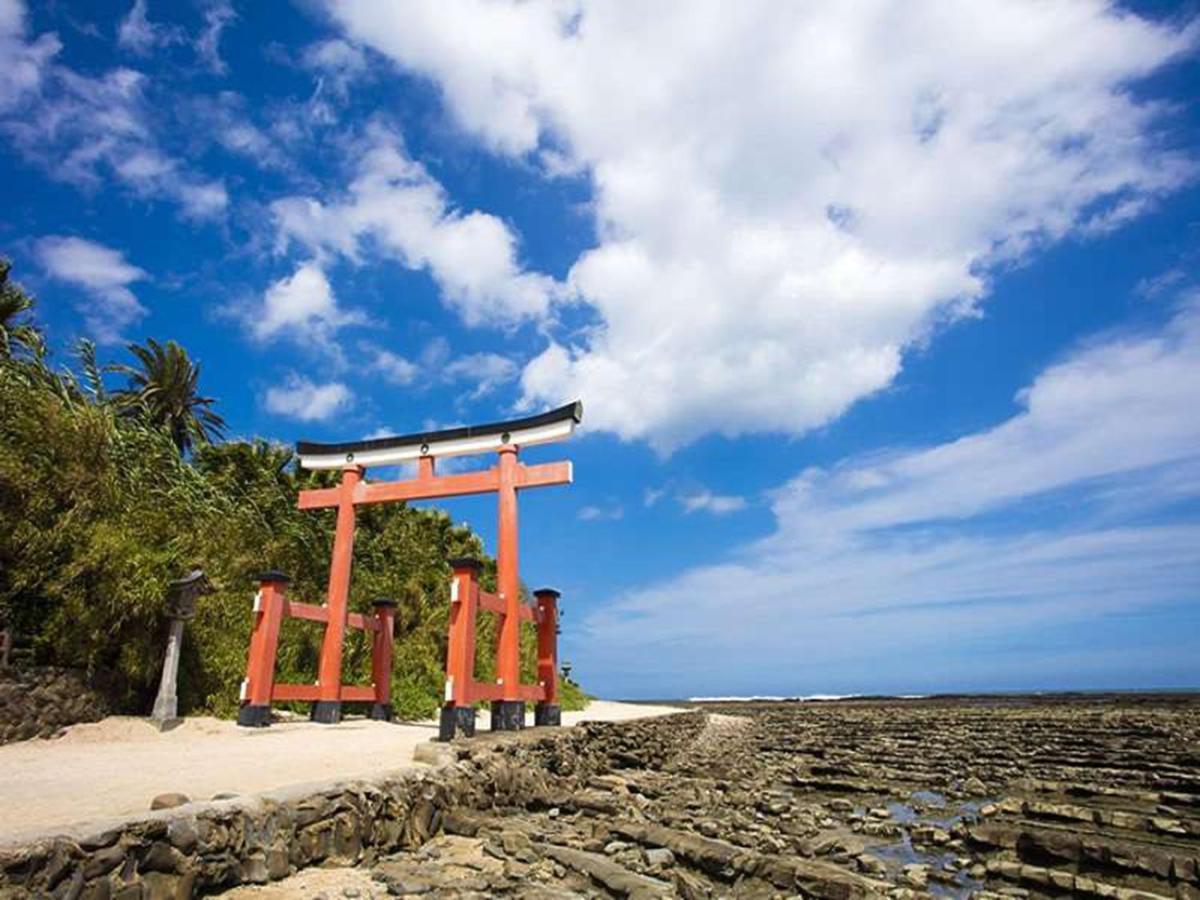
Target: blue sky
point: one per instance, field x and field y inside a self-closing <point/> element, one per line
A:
<point x="884" y="317"/>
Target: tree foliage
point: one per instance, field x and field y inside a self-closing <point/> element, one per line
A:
<point x="102" y="510"/>
<point x="17" y="331"/>
<point x="164" y="390"/>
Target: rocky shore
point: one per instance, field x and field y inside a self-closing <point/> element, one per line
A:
<point x="998" y="798"/>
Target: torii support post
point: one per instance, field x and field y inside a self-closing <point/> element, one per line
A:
<point x="462" y="690"/>
<point x="458" y="713"/>
<point x="259" y="685"/>
<point x="381" y="659"/>
<point x="547" y="712"/>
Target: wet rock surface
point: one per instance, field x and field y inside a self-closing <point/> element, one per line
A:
<point x="952" y="798"/>
<point x="948" y="798"/>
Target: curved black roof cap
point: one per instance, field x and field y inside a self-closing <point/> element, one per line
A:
<point x="570" y="411"/>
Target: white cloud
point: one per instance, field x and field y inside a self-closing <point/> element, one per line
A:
<point x="217" y="18"/>
<point x="788" y="198"/>
<point x="435" y="364"/>
<point x="608" y="513"/>
<point x="706" y="501"/>
<point x="1060" y="514"/>
<point x="225" y="118"/>
<point x="104" y="274"/>
<point x="81" y="129"/>
<point x="392" y="366"/>
<point x="337" y="65"/>
<point x="25" y="62"/>
<point x="301" y="306"/>
<point x="139" y="35"/>
<point x="334" y="56"/>
<point x="394" y="202"/>
<point x="299" y="398"/>
<point x="487" y="371"/>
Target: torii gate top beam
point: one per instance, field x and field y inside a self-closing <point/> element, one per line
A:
<point x="554" y="425"/>
<point x="430" y="487"/>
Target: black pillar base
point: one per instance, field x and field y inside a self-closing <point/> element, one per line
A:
<point x="254" y="716"/>
<point x="456" y="719"/>
<point x="327" y="712"/>
<point x="547" y="714"/>
<point x="382" y="712"/>
<point x="508" y="715"/>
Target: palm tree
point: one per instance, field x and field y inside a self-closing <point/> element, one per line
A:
<point x="162" y="390"/>
<point x="16" y="330"/>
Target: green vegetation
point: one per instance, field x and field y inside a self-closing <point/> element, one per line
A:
<point x="107" y="496"/>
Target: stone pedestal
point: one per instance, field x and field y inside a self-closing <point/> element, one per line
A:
<point x="254" y="716"/>
<point x="456" y="720"/>
<point x="547" y="714"/>
<point x="327" y="712"/>
<point x="508" y="715"/>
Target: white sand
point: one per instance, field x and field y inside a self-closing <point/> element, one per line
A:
<point x="115" y="767"/>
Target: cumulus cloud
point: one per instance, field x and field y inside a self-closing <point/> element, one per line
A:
<point x="300" y="398"/>
<point x="394" y="202"/>
<point x="301" y="306"/>
<point x="788" y="198"/>
<point x="1042" y="520"/>
<point x="110" y="306"/>
<point x="82" y="129"/>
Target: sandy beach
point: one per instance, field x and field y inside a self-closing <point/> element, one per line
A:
<point x="115" y="767"/>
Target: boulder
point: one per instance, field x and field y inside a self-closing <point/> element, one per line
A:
<point x="169" y="800"/>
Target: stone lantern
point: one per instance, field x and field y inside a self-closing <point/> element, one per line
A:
<point x="181" y="606"/>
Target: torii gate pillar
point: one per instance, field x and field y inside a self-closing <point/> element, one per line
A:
<point x="508" y="713"/>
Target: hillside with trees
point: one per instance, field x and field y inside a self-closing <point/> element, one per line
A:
<point x="115" y="479"/>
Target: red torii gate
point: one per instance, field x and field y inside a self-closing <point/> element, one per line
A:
<point x="508" y="695"/>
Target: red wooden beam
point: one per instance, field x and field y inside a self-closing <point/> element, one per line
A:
<point x="481" y="690"/>
<point x="296" y="692"/>
<point x="543" y="475"/>
<point x="362" y="621"/>
<point x="531" y="692"/>
<point x="350" y="693"/>
<point x="310" y="612"/>
<point x="307" y="611"/>
<point x="432" y="488"/>
<point x="493" y="604"/>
